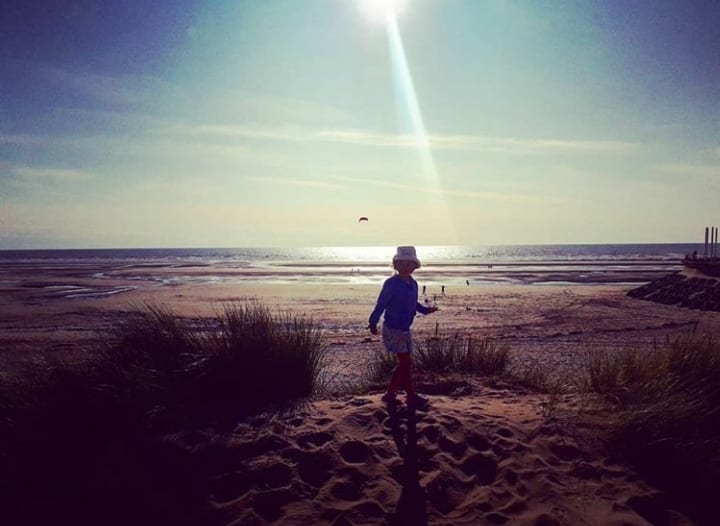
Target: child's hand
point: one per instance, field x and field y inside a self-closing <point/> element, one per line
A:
<point x="432" y="309"/>
<point x="373" y="329"/>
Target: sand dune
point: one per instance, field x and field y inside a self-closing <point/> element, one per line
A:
<point x="476" y="455"/>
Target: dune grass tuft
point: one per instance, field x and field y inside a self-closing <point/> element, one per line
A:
<point x="445" y="351"/>
<point x="77" y="439"/>
<point x="257" y="353"/>
<point x="453" y="351"/>
<point x="667" y="406"/>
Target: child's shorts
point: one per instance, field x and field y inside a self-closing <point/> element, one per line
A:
<point x="397" y="341"/>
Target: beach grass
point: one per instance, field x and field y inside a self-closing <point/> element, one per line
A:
<point x="261" y="354"/>
<point x="454" y="351"/>
<point x="87" y="436"/>
<point x="442" y="351"/>
<point x="667" y="413"/>
<point x="81" y="435"/>
<point x="245" y="352"/>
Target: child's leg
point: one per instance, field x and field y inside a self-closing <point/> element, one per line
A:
<point x="401" y="374"/>
<point x="407" y="374"/>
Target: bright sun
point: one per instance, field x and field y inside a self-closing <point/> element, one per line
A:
<point x="380" y="11"/>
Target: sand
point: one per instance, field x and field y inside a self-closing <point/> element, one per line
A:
<point x="476" y="455"/>
<point x="481" y="453"/>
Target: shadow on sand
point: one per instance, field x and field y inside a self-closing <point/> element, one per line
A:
<point x="411" y="506"/>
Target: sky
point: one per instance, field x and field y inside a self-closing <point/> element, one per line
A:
<point x="221" y="123"/>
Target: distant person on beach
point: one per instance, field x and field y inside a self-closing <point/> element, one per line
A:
<point x="424" y="289"/>
<point x="398" y="299"/>
<point x="443" y="290"/>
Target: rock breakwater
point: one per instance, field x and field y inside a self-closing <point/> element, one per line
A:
<point x="686" y="288"/>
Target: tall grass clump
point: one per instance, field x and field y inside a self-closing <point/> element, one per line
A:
<point x="158" y="350"/>
<point x="624" y="377"/>
<point x="439" y="351"/>
<point x="483" y="356"/>
<point x="259" y="354"/>
<point x="667" y="406"/>
<point x="75" y="442"/>
<point x="80" y="438"/>
<point x="379" y="369"/>
<point x="444" y="351"/>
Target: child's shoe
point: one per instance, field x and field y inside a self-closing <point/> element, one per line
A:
<point x="416" y="401"/>
<point x="389" y="398"/>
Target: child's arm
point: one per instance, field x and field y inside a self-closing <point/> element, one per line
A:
<point x="382" y="302"/>
<point x="422" y="309"/>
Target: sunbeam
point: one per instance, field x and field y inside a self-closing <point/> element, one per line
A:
<point x="408" y="106"/>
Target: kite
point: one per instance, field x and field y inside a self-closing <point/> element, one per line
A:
<point x="362" y="219"/>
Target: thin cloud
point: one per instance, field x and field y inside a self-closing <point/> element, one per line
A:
<point x="25" y="140"/>
<point x="494" y="196"/>
<point x="295" y="182"/>
<point x="297" y="134"/>
<point x="481" y="143"/>
<point x="55" y="174"/>
<point x="443" y="142"/>
<point x="692" y="170"/>
<point x="125" y="90"/>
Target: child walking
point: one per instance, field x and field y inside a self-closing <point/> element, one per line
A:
<point x="398" y="299"/>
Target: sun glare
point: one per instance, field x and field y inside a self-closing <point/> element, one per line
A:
<point x="381" y="11"/>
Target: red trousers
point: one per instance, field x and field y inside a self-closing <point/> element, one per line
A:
<point x="401" y="377"/>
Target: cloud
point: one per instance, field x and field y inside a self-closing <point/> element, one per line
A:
<point x="125" y="90"/>
<point x="692" y="170"/>
<point x="26" y="140"/>
<point x="473" y="194"/>
<point x="286" y="181"/>
<point x="483" y="143"/>
<point x="509" y="145"/>
<point x="56" y="174"/>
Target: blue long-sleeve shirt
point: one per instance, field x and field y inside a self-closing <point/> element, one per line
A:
<point x="399" y="300"/>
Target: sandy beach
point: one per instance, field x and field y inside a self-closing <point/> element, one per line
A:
<point x="550" y="325"/>
<point x="481" y="453"/>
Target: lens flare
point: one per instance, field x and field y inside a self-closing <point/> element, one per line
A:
<point x="382" y="11"/>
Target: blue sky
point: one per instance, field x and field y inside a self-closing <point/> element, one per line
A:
<point x="280" y="122"/>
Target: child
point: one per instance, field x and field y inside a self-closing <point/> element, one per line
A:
<point x="399" y="300"/>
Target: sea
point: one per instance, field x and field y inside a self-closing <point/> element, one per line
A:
<point x="461" y="265"/>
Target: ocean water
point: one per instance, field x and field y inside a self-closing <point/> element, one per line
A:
<point x="446" y="265"/>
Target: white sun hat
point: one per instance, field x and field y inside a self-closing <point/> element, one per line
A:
<point x="406" y="254"/>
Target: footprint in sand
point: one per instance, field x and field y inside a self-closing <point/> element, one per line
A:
<point x="456" y="448"/>
<point x="314" y="440"/>
<point x="354" y="452"/>
<point x="483" y="467"/>
<point x="315" y="467"/>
